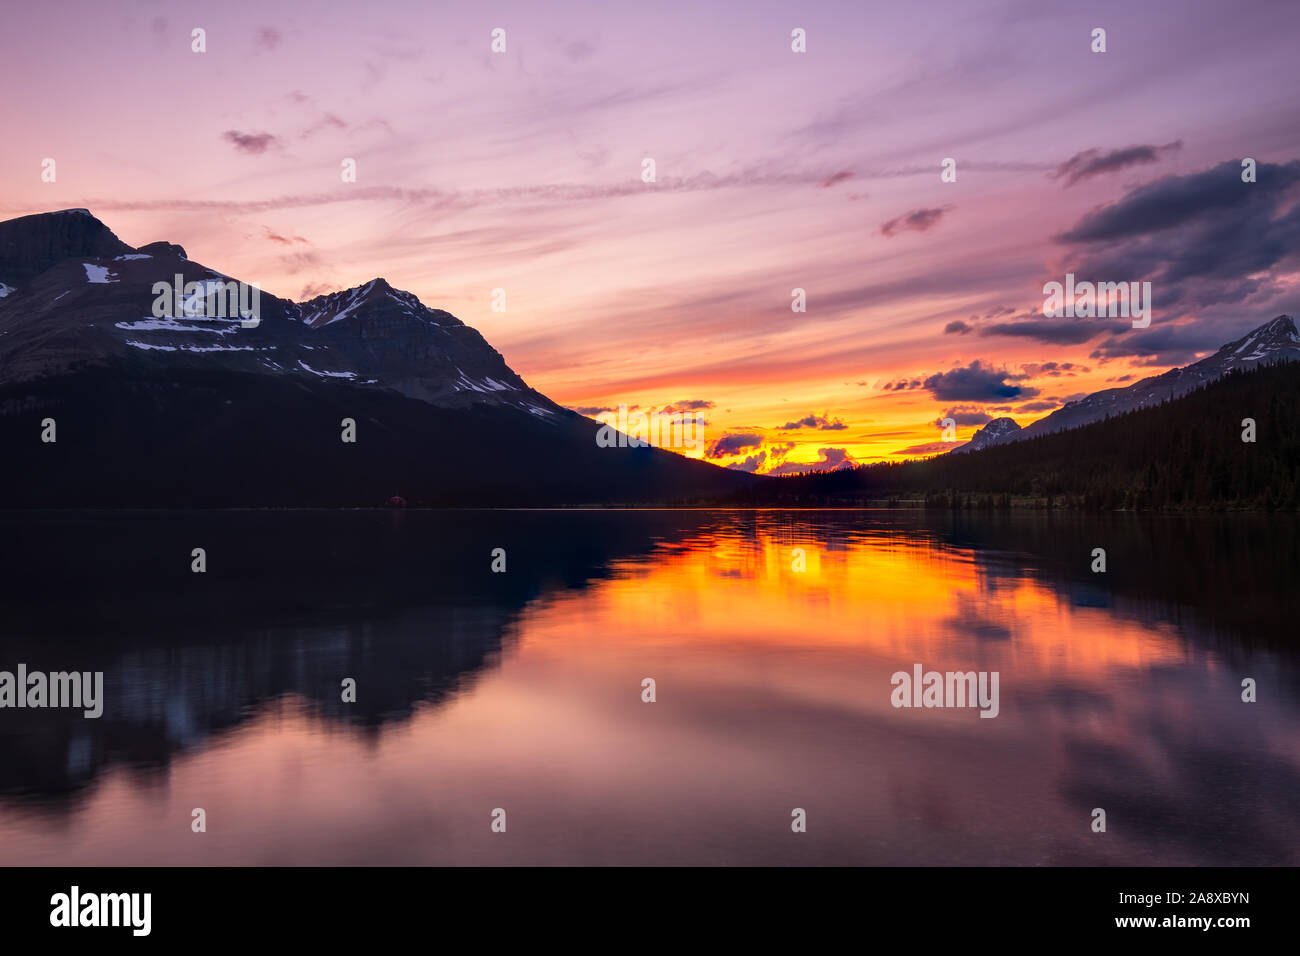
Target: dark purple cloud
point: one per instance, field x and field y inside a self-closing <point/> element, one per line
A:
<point x="918" y="220"/>
<point x="733" y="445"/>
<point x="964" y="416"/>
<point x="688" y="405"/>
<point x="902" y="385"/>
<point x="976" y="382"/>
<point x="1204" y="239"/>
<point x="1055" y="331"/>
<point x="1168" y="344"/>
<point x="255" y="143"/>
<point x="1054" y="369"/>
<point x="819" y="422"/>
<point x="1093" y="162"/>
<point x="283" y="240"/>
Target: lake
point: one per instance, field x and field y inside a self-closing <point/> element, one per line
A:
<point x="772" y="638"/>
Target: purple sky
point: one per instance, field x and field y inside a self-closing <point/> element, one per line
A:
<point x="775" y="170"/>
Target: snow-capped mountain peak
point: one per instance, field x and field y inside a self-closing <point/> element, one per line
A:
<point x="1275" y="341"/>
<point x="333" y="307"/>
<point x="1279" y="333"/>
<point x="998" y="430"/>
<point x="73" y="294"/>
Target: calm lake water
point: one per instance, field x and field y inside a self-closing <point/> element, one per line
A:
<point x="523" y="690"/>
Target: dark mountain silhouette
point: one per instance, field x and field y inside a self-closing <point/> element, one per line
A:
<point x="199" y="408"/>
<point x="31" y="244"/>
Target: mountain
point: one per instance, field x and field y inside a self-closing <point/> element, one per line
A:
<point x="1275" y="341"/>
<point x="998" y="430"/>
<point x="189" y="408"/>
<point x="31" y="244"/>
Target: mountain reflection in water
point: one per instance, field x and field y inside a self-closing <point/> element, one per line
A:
<point x="522" y="690"/>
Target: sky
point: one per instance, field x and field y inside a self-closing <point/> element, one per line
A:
<point x="775" y="170"/>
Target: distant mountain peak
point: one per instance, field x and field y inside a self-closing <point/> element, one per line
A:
<point x="1277" y="340"/>
<point x="31" y="244"/>
<point x="998" y="430"/>
<point x="332" y="307"/>
<point x="1273" y="334"/>
<point x="162" y="249"/>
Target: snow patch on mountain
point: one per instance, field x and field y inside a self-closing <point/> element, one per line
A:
<point x="98" y="274"/>
<point x="169" y="324"/>
<point x="303" y="365"/>
<point x="192" y="348"/>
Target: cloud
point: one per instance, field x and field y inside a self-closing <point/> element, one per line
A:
<point x="831" y="460"/>
<point x="580" y="49"/>
<point x="454" y="200"/>
<point x="958" y="327"/>
<point x="750" y="464"/>
<point x="687" y="405"/>
<point x="901" y="385"/>
<point x="1202" y="239"/>
<point x="976" y="383"/>
<point x="835" y="178"/>
<point x="1093" y="162"/>
<point x="255" y="143"/>
<point x="1166" y="345"/>
<point x="1031" y="407"/>
<point x="1187" y="200"/>
<point x="313" y="289"/>
<point x="282" y="240"/>
<point x="778" y="450"/>
<point x="298" y="261"/>
<point x="590" y="410"/>
<point x="327" y="121"/>
<point x="964" y="415"/>
<point x="733" y="445"/>
<point x="929" y="448"/>
<point x="918" y="220"/>
<point x="1054" y="369"/>
<point x="819" y="422"/>
<point x="268" y="38"/>
<point x="1056" y="331"/>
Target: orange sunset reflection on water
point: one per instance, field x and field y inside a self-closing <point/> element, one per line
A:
<point x="772" y="693"/>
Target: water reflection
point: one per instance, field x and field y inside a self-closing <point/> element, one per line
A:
<point x="522" y="690"/>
